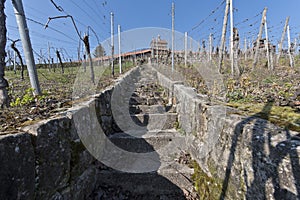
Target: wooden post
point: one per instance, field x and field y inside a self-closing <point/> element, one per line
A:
<point x="7" y="64"/>
<point x="120" y="54"/>
<point x="245" y="49"/>
<point x="282" y="38"/>
<point x="15" y="64"/>
<point x="270" y="64"/>
<point x="4" y="98"/>
<point x="199" y="50"/>
<point x="210" y="46"/>
<point x="156" y="50"/>
<point x="296" y="46"/>
<point x="60" y="61"/>
<point x="289" y="47"/>
<point x="222" y="45"/>
<point x="112" y="43"/>
<point x="231" y="37"/>
<point x="259" y="38"/>
<point x="252" y="48"/>
<point x="235" y="49"/>
<point x="49" y="56"/>
<point x="185" y="48"/>
<point x="173" y="34"/>
<point x="88" y="53"/>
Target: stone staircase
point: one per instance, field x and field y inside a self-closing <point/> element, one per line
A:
<point x="171" y="179"/>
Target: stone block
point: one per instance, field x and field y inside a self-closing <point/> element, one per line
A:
<point x="17" y="167"/>
<point x="51" y="140"/>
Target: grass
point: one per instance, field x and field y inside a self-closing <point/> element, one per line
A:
<point x="249" y="91"/>
<point x="285" y="117"/>
<point x="57" y="83"/>
<point x="57" y="93"/>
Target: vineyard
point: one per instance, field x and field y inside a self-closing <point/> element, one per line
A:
<point x="248" y="93"/>
<point x="184" y="101"/>
<point x="26" y="109"/>
<point x="253" y="69"/>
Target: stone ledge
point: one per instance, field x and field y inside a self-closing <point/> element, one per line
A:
<point x="246" y="147"/>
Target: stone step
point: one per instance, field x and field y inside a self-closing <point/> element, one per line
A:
<point x="143" y="109"/>
<point x="144" y="122"/>
<point x="168" y="143"/>
<point x="145" y="100"/>
<point x="169" y="179"/>
<point x="155" y="121"/>
<point x="168" y="182"/>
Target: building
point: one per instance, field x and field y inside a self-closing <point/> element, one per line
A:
<point x="262" y="45"/>
<point x="159" y="44"/>
<point x="159" y="47"/>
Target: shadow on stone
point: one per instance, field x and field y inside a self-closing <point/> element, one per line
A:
<point x="265" y="163"/>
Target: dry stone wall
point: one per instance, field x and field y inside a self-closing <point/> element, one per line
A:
<point x="47" y="160"/>
<point x="253" y="158"/>
<point x="250" y="157"/>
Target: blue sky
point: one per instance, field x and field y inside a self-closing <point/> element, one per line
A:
<point x="133" y="14"/>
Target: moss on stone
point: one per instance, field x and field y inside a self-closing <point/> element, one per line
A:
<point x="210" y="186"/>
<point x="207" y="187"/>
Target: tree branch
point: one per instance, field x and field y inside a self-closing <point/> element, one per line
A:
<point x="59" y="8"/>
<point x="64" y="16"/>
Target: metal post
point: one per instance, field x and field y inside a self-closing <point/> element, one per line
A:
<point x="120" y="56"/>
<point x="24" y="34"/>
<point x="185" y="48"/>
<point x="173" y="33"/>
<point x="112" y="43"/>
<point x="79" y="48"/>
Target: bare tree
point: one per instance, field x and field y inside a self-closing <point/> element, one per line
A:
<point x="13" y="46"/>
<point x="85" y="40"/>
<point x="4" y="100"/>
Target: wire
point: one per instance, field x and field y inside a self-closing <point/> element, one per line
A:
<point x="249" y="19"/>
<point x="60" y="32"/>
<point x="92" y="18"/>
<point x="212" y="13"/>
